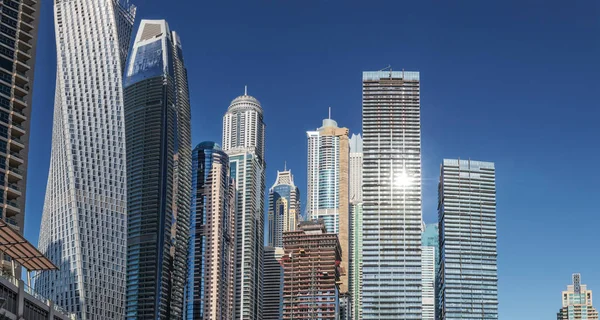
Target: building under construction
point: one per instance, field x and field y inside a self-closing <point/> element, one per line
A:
<point x="311" y="272"/>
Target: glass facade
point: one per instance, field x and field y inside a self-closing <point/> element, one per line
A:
<point x="157" y="122"/>
<point x="430" y="260"/>
<point x="468" y="277"/>
<point x="243" y="141"/>
<point x="356" y="256"/>
<point x="18" y="37"/>
<point x="84" y="221"/>
<point x="391" y="195"/>
<point x="284" y="207"/>
<point x="273" y="300"/>
<point x="209" y="287"/>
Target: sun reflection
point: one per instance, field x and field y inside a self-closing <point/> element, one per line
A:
<point x="402" y="179"/>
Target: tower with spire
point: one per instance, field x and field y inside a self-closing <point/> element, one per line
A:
<point x="244" y="143"/>
<point x="284" y="207"/>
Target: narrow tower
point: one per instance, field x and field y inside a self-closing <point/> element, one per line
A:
<point x="284" y="207"/>
<point x="84" y="221"/>
<point x="157" y="125"/>
<point x="244" y="142"/>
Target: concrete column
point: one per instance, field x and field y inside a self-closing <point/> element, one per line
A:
<point x="21" y="300"/>
<point x="51" y="311"/>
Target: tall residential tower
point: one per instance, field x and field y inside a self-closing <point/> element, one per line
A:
<point x="244" y="142"/>
<point x="356" y="228"/>
<point x="468" y="277"/>
<point x="430" y="260"/>
<point x="391" y="195"/>
<point x="19" y="26"/>
<point x="284" y="207"/>
<point x="84" y="221"/>
<point x="211" y="260"/>
<point x="577" y="302"/>
<point x="157" y="130"/>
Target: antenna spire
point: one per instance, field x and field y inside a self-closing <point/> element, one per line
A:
<point x="284" y="165"/>
<point x="329" y="113"/>
<point x="245" y="90"/>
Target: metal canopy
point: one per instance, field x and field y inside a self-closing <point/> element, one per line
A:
<point x="22" y="251"/>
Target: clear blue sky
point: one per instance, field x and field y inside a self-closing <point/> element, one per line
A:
<point x="514" y="82"/>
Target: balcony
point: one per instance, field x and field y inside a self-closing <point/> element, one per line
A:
<point x="13" y="191"/>
<point x="17" y="130"/>
<point x="14" y="174"/>
<point x="12" y="208"/>
<point x="14" y="159"/>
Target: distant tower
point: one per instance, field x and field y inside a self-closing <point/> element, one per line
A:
<point x="430" y="267"/>
<point x="273" y="284"/>
<point x="467" y="222"/>
<point x="356" y="162"/>
<point x="356" y="228"/>
<point x="211" y="259"/>
<point x="284" y="207"/>
<point x="327" y="190"/>
<point x="577" y="302"/>
<point x="244" y="142"/>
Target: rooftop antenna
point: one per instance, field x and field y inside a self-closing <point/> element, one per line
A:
<point x="329" y="113"/>
<point x="284" y="165"/>
<point x="245" y="90"/>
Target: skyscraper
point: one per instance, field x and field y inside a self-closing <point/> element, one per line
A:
<point x="391" y="195"/>
<point x="19" y="26"/>
<point x="327" y="191"/>
<point x="273" y="284"/>
<point x="284" y="207"/>
<point x="468" y="277"/>
<point x="356" y="162"/>
<point x="429" y="258"/>
<point x="577" y="302"/>
<point x="157" y="130"/>
<point x="244" y="142"/>
<point x="311" y="273"/>
<point x="211" y="260"/>
<point x="356" y="228"/>
<point x="84" y="220"/>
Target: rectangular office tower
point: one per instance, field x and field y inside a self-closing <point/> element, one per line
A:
<point x="84" y="221"/>
<point x="157" y="131"/>
<point x="468" y="276"/>
<point x="311" y="265"/>
<point x="273" y="284"/>
<point x="19" y="26"/>
<point x="244" y="143"/>
<point x="211" y="260"/>
<point x="391" y="196"/>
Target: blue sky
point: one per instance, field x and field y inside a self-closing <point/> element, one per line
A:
<point x="513" y="82"/>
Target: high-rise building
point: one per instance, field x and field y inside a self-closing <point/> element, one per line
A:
<point x="211" y="260"/>
<point x="429" y="259"/>
<point x="244" y="142"/>
<point x="273" y="284"/>
<point x="327" y="190"/>
<point x="19" y="26"/>
<point x="84" y="221"/>
<point x="157" y="131"/>
<point x="284" y="207"/>
<point x="468" y="277"/>
<point x="356" y="256"/>
<point x="391" y="195"/>
<point x="577" y="302"/>
<point x="356" y="162"/>
<point x="311" y="272"/>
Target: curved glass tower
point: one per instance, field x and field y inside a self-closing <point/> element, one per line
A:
<point x="84" y="217"/>
<point x="244" y="142"/>
<point x="284" y="207"/>
<point x="157" y="123"/>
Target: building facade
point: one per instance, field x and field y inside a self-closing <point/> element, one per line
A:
<point x="311" y="273"/>
<point x="157" y="131"/>
<point x="356" y="258"/>
<point x="84" y="220"/>
<point x="430" y="267"/>
<point x="468" y="277"/>
<point x="327" y="190"/>
<point x="284" y="207"/>
<point x="577" y="302"/>
<point x="211" y="260"/>
<point x="391" y="195"/>
<point x="244" y="143"/>
<point x="273" y="284"/>
<point x="19" y="26"/>
<point x="355" y="171"/>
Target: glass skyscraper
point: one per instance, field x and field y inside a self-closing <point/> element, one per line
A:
<point x="356" y="228"/>
<point x="577" y="302"/>
<point x="18" y="37"/>
<point x="157" y="125"/>
<point x="211" y="260"/>
<point x="327" y="189"/>
<point x="273" y="290"/>
<point x="284" y="207"/>
<point x="391" y="195"/>
<point x="468" y="276"/>
<point x="244" y="142"/>
<point x="83" y="227"/>
<point x="430" y="267"/>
